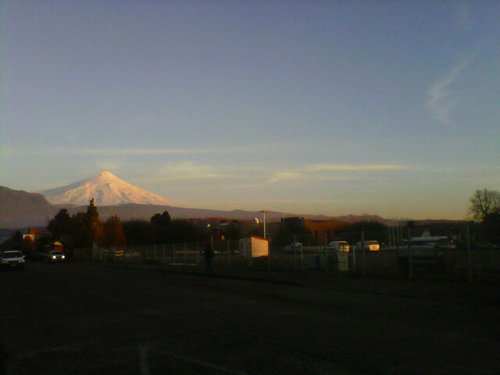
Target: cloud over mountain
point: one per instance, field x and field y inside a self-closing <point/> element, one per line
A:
<point x="106" y="189"/>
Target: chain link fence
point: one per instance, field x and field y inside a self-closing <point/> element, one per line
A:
<point x="387" y="262"/>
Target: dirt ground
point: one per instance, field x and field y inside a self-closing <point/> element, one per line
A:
<point x="97" y="319"/>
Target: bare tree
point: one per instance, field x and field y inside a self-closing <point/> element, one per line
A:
<point x="483" y="203"/>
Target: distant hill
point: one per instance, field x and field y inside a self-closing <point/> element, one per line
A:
<point x="20" y="209"/>
<point x="106" y="189"/>
<point x="143" y="211"/>
<point x="364" y="217"/>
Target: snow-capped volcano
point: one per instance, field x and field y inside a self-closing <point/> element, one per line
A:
<point x="106" y="189"/>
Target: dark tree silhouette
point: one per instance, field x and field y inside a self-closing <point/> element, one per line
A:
<point x="61" y="225"/>
<point x="161" y="225"/>
<point x="483" y="203"/>
<point x="94" y="225"/>
<point x="184" y="231"/>
<point x="137" y="232"/>
<point x="490" y="227"/>
<point x="232" y="232"/>
<point x="15" y="242"/>
<point x="80" y="232"/>
<point x="113" y="232"/>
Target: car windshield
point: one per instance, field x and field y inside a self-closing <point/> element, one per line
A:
<point x="57" y="253"/>
<point x="12" y="254"/>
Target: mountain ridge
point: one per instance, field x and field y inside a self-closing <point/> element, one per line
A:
<point x="22" y="209"/>
<point x="19" y="208"/>
<point x="114" y="196"/>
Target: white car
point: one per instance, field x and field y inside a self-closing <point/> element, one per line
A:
<point x="12" y="259"/>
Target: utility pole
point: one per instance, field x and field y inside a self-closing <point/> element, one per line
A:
<point x="264" y="212"/>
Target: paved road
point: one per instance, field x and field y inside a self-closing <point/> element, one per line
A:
<point x="92" y="319"/>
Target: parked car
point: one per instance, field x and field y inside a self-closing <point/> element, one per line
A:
<point x="54" y="256"/>
<point x="339" y="246"/>
<point x="12" y="259"/>
<point x="369" y="245"/>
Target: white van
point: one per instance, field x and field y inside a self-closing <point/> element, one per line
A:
<point x="339" y="246"/>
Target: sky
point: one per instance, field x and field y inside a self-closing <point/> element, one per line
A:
<point x="317" y="107"/>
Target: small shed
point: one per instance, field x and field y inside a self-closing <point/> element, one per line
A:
<point x="253" y="247"/>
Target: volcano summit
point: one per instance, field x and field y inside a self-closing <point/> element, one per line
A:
<point x="106" y="189"/>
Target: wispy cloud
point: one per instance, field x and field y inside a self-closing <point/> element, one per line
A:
<point x="313" y="172"/>
<point x="187" y="170"/>
<point x="125" y="151"/>
<point x="440" y="100"/>
<point x="155" y="151"/>
<point x="352" y="167"/>
<point x="261" y="148"/>
<point x="261" y="201"/>
<point x="284" y="176"/>
<point x="252" y="177"/>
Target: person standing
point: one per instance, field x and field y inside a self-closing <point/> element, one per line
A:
<point x="209" y="256"/>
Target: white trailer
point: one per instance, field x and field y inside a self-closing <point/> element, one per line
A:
<point x="254" y="247"/>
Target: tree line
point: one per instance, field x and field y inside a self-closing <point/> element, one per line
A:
<point x="85" y="229"/>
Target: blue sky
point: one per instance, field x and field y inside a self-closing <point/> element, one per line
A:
<point x="389" y="108"/>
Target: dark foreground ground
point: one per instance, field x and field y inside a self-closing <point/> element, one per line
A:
<point x="95" y="319"/>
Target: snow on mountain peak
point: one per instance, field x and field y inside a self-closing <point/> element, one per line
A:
<point x="105" y="174"/>
<point x="104" y="177"/>
<point x="106" y="189"/>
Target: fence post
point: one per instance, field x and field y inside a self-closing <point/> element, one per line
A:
<point x="294" y="257"/>
<point x="185" y="251"/>
<point x="198" y="253"/>
<point x="469" y="255"/>
<point x="173" y="253"/>
<point x="363" y="255"/>
<point x="410" y="260"/>
<point x="354" y="258"/>
<point x="302" y="257"/>
<point x="228" y="256"/>
<point x="268" y="257"/>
